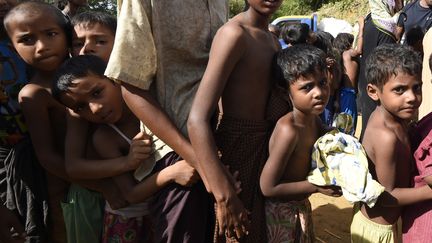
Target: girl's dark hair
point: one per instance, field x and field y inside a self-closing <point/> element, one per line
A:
<point x="343" y="42"/>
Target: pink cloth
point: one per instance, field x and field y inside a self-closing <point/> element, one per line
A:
<point x="417" y="218"/>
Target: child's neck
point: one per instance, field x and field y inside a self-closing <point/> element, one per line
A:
<point x="391" y="119"/>
<point x="127" y="117"/>
<point x="304" y="119"/>
<point x="43" y="78"/>
<point x="253" y="18"/>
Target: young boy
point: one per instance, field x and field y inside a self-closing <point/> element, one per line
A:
<point x="239" y="72"/>
<point x="93" y="34"/>
<point x="302" y="71"/>
<point x="81" y="86"/>
<point x="394" y="83"/>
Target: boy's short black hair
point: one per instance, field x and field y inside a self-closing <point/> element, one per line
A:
<point x="91" y="17"/>
<point x="343" y="42"/>
<point x="390" y="59"/>
<point x="75" y="68"/>
<point x="299" y="60"/>
<point x="36" y="7"/>
<point x="296" y="33"/>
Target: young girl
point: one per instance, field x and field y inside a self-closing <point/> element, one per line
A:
<point x="283" y="179"/>
<point x="38" y="33"/>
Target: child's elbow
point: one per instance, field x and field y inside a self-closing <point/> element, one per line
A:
<point x="266" y="189"/>
<point x="193" y="122"/>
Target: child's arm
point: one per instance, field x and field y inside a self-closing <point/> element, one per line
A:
<point x="281" y="148"/>
<point x="227" y="49"/>
<point x="386" y="171"/>
<point x="146" y="108"/>
<point x="79" y="167"/>
<point x="35" y="103"/>
<point x="181" y="172"/>
<point x="358" y="50"/>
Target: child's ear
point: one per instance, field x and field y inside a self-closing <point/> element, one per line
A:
<point x="372" y="91"/>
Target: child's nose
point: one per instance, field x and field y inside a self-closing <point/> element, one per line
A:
<point x="87" y="49"/>
<point x="41" y="46"/>
<point x="95" y="107"/>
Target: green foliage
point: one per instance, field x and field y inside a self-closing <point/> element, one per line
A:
<point x="107" y="6"/>
<point x="348" y="10"/>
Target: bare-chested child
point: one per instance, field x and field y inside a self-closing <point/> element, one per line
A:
<point x="82" y="87"/>
<point x="238" y="73"/>
<point x="38" y="32"/>
<point x="393" y="73"/>
<point x="302" y="71"/>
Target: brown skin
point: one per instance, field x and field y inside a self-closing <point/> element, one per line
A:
<point x="388" y="125"/>
<point x="350" y="60"/>
<point x="238" y="72"/>
<point x="290" y="147"/>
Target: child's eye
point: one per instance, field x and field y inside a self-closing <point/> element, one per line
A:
<point x="101" y="42"/>
<point x="97" y="93"/>
<point x="27" y="40"/>
<point x="307" y="87"/>
<point x="52" y="33"/>
<point x="323" y="82"/>
<point x="418" y="88"/>
<point x="399" y="90"/>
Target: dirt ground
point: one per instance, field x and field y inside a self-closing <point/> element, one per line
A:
<point x="332" y="216"/>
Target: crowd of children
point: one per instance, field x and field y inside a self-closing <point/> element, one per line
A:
<point x="120" y="130"/>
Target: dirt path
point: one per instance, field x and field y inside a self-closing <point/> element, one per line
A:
<point x="332" y="218"/>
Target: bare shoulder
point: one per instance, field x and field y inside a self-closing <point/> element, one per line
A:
<point x="104" y="134"/>
<point x="285" y="128"/>
<point x="232" y="30"/>
<point x="379" y="140"/>
<point x="34" y="94"/>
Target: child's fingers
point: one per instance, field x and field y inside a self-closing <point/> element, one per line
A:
<point x="142" y="136"/>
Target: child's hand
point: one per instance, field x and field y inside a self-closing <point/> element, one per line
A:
<point x="11" y="230"/>
<point x="184" y="174"/>
<point x="333" y="191"/>
<point x="140" y="149"/>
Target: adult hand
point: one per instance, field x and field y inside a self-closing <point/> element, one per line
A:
<point x="11" y="230"/>
<point x="233" y="218"/>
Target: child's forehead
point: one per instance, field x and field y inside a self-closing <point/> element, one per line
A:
<point x="93" y="26"/>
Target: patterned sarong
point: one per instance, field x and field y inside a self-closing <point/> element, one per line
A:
<point x="244" y="147"/>
<point x="289" y="221"/>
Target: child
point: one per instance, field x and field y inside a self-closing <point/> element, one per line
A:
<point x="394" y="83"/>
<point x="38" y="31"/>
<point x="283" y="179"/>
<point x="416" y="218"/>
<point x="81" y="86"/>
<point x="93" y="34"/>
<point x="297" y="33"/>
<point x="350" y="65"/>
<point x="239" y="73"/>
